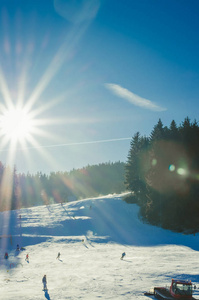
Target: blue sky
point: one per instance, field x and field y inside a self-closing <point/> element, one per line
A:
<point x="91" y="73"/>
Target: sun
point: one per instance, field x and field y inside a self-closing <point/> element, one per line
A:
<point x="16" y="124"/>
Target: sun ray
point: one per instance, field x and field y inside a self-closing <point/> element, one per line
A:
<point x="63" y="54"/>
<point x="22" y="87"/>
<point x="51" y="103"/>
<point x="42" y="152"/>
<point x="5" y="90"/>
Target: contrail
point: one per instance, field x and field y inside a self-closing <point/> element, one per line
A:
<point x="70" y="144"/>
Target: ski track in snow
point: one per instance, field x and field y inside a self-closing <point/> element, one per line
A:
<point x="91" y="235"/>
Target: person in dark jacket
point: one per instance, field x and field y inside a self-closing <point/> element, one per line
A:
<point x="123" y="254"/>
<point x="44" y="280"/>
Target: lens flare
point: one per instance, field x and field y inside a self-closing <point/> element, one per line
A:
<point x="181" y="171"/>
<point x="172" y="168"/>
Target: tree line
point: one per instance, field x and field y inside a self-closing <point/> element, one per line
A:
<point x="19" y="190"/>
<point x="162" y="171"/>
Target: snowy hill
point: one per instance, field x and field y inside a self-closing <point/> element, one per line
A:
<point x="90" y="234"/>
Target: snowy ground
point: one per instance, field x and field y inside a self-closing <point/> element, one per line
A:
<point x="91" y="236"/>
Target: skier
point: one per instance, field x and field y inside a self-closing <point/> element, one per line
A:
<point x="123" y="254"/>
<point x="58" y="255"/>
<point x="27" y="258"/>
<point x="44" y="282"/>
<point x="6" y="255"/>
<point x="18" y="247"/>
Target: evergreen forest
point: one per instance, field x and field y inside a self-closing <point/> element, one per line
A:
<point x="162" y="172"/>
<point x="26" y="190"/>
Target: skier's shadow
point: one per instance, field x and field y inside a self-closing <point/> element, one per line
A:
<point x="47" y="296"/>
<point x="85" y="246"/>
<point x="48" y="209"/>
<point x="64" y="208"/>
<point x="129" y="261"/>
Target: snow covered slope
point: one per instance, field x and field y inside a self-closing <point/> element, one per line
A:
<point x="90" y="234"/>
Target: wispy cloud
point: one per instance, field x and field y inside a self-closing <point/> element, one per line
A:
<point x="133" y="98"/>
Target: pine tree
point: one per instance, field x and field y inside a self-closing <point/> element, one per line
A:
<point x="134" y="169"/>
<point x="158" y="132"/>
<point x="173" y="131"/>
<point x="15" y="191"/>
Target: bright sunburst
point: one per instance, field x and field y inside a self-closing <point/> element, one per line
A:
<point x="24" y="121"/>
<point x="16" y="125"/>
